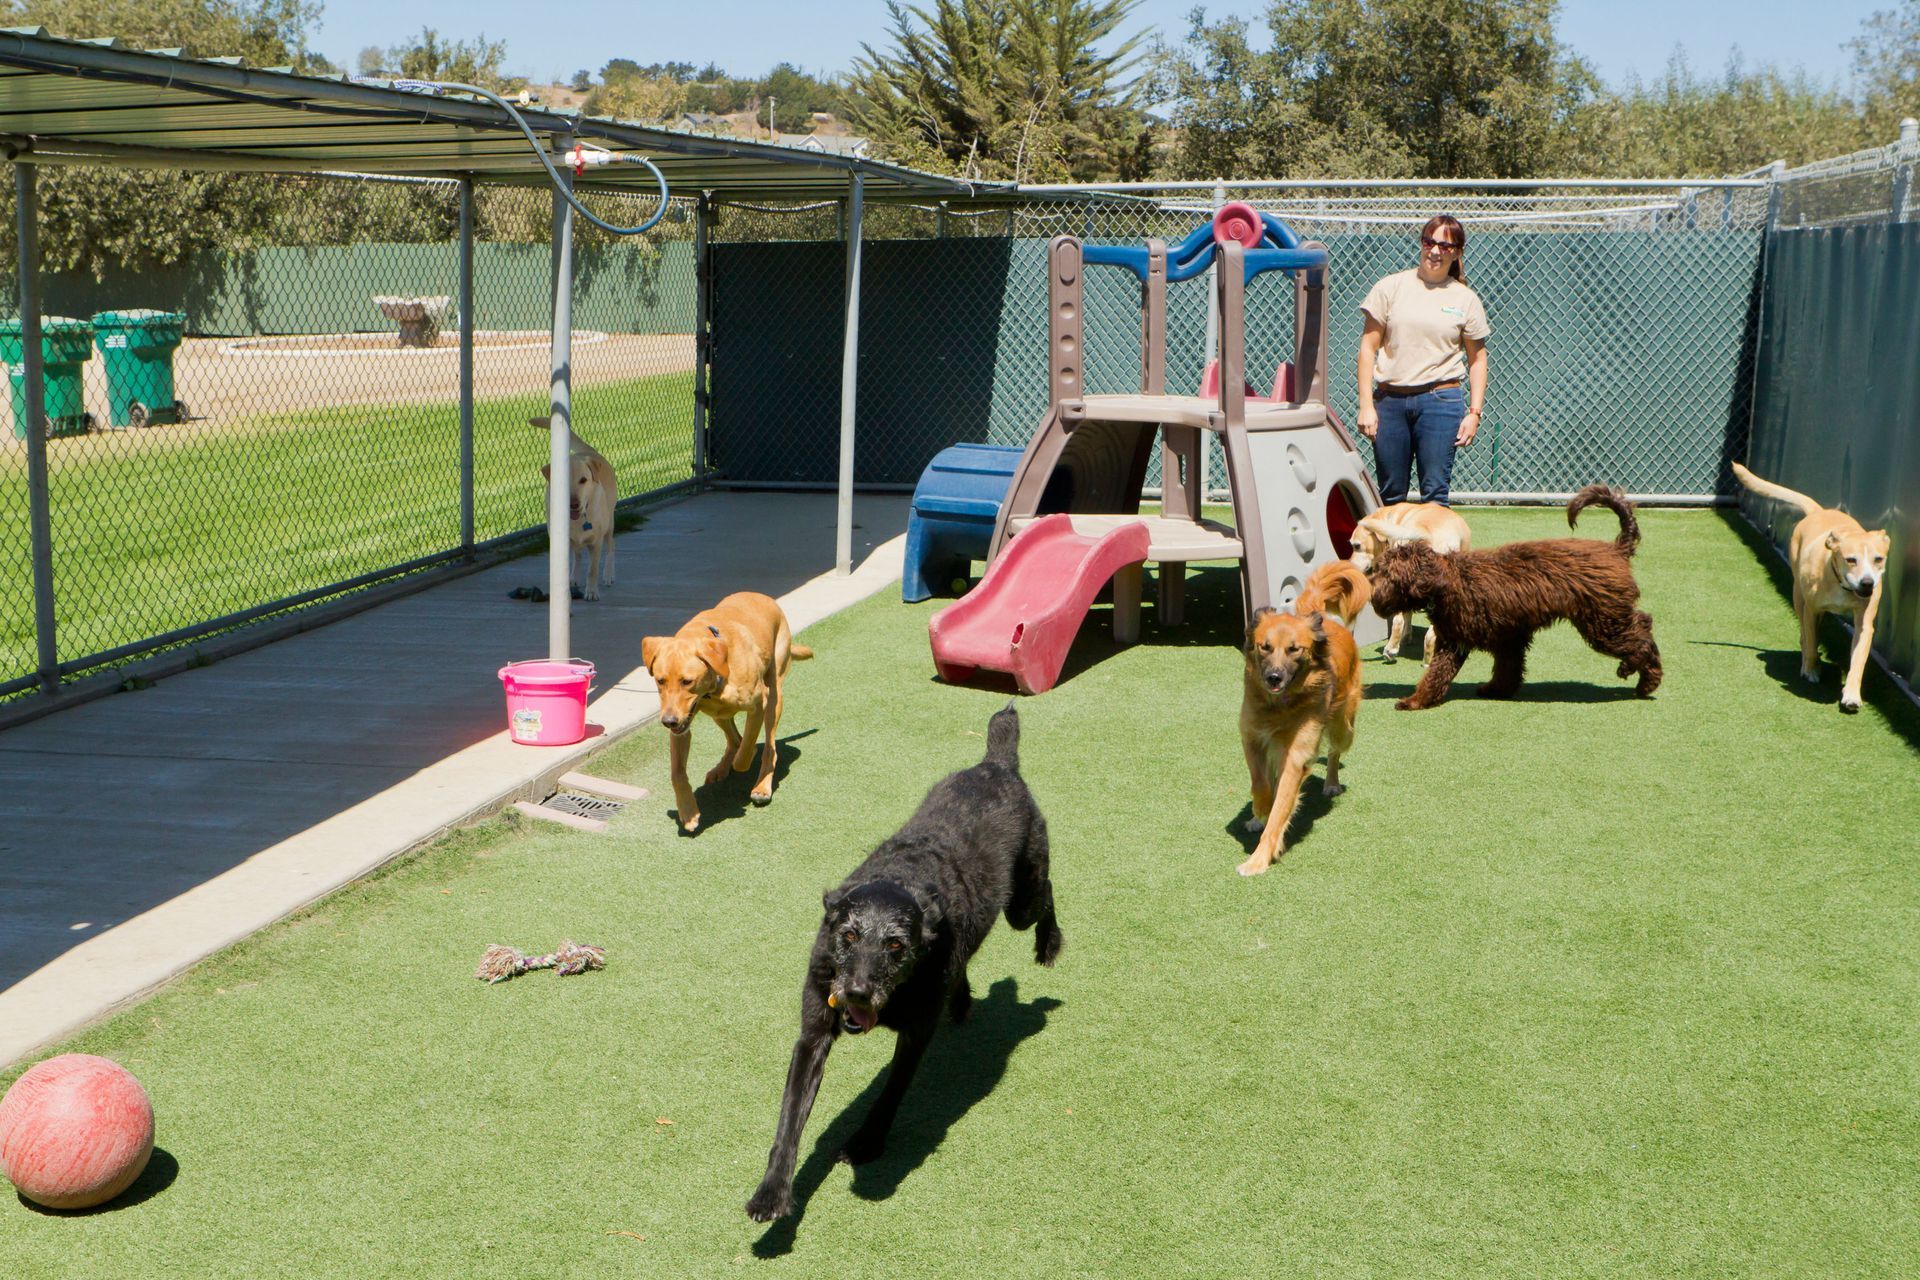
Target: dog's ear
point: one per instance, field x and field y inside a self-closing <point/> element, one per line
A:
<point x="933" y="908"/>
<point x="1317" y="622"/>
<point x="713" y="651"/>
<point x="649" y="647"/>
<point x="1264" y="611"/>
<point x="832" y="900"/>
<point x="1833" y="541"/>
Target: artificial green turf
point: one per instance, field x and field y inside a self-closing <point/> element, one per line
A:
<point x="176" y="532"/>
<point x="1578" y="985"/>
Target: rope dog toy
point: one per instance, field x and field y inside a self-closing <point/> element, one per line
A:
<point x="501" y="963"/>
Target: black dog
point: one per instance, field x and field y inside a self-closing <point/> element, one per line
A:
<point x="897" y="935"/>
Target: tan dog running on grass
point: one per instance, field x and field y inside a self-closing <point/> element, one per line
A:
<point x="592" y="492"/>
<point x="725" y="660"/>
<point x="1302" y="683"/>
<point x="1429" y="522"/>
<point x="1838" y="567"/>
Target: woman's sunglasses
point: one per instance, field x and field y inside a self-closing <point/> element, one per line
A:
<point x="1431" y="243"/>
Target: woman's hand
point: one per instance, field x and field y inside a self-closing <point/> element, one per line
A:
<point x="1368" y="420"/>
<point x="1469" y="427"/>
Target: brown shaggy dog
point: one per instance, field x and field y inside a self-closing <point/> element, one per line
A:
<point x="1495" y="600"/>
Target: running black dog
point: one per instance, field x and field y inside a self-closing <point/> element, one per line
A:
<point x="894" y="943"/>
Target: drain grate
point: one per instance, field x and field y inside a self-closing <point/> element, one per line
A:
<point x="582" y="806"/>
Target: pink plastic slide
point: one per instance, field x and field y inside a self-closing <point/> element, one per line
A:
<point x="1024" y="614"/>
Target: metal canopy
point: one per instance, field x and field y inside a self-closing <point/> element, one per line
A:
<point x="93" y="102"/>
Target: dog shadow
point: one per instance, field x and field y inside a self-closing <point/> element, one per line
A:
<point x="963" y="1066"/>
<point x="727" y="799"/>
<point x="1783" y="668"/>
<point x="1314" y="805"/>
<point x="1468" y="690"/>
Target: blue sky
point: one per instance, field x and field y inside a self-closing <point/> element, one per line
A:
<point x="748" y="37"/>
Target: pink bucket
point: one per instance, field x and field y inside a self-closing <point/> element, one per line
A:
<point x="547" y="701"/>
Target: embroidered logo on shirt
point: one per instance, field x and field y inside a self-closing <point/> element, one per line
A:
<point x="1454" y="311"/>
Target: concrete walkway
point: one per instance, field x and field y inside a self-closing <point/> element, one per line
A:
<point x="142" y="832"/>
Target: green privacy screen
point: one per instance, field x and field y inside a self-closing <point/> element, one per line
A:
<point x="1837" y="404"/>
<point x="1617" y="356"/>
<point x="279" y="289"/>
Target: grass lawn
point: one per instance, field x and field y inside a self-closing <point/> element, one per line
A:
<point x="1577" y="985"/>
<point x="177" y="531"/>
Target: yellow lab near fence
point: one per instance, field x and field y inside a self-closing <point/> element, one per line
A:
<point x="1839" y="567"/>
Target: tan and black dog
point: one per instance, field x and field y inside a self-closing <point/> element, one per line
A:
<point x="1302" y="684"/>
<point x="1838" y="567"/>
<point x="725" y="660"/>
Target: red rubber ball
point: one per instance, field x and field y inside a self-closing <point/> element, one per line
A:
<point x="75" y="1131"/>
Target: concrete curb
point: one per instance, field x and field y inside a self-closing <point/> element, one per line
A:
<point x="127" y="963"/>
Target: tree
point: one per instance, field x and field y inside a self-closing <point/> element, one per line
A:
<point x="1031" y="90"/>
<point x="475" y="62"/>
<point x="644" y="98"/>
<point x="1682" y="125"/>
<point x="1389" y="88"/>
<point x="1886" y="65"/>
<point x="372" y="60"/>
<point x="582" y="81"/>
<point x="93" y="218"/>
<point x="267" y="33"/>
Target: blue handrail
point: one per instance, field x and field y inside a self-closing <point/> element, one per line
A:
<point x="1279" y="251"/>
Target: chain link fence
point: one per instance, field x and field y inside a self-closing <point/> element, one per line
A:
<point x="1622" y="349"/>
<point x="1837" y="403"/>
<point x="1864" y="188"/>
<point x="311" y="443"/>
<point x="277" y="422"/>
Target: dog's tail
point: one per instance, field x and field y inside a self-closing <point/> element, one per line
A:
<point x="1768" y="488"/>
<point x="1336" y="587"/>
<point x="1603" y="495"/>
<point x="799" y="652"/>
<point x="1003" y="738"/>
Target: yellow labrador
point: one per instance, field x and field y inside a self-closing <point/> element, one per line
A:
<point x="723" y="661"/>
<point x="1838" y="567"/>
<point x="1427" y="522"/>
<point x="592" y="492"/>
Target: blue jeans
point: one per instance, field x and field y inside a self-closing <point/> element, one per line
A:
<point x="1422" y="426"/>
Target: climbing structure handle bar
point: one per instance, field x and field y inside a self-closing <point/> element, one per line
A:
<point x="1280" y="251"/>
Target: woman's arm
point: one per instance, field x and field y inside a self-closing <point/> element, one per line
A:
<point x="1476" y="388"/>
<point x="1369" y="418"/>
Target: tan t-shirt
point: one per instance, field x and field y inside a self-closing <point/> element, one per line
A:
<point x="1426" y="327"/>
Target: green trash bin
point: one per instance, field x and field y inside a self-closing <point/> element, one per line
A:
<point x="137" y="348"/>
<point x="65" y="345"/>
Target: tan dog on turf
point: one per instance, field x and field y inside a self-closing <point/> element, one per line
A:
<point x="1429" y="522"/>
<point x="592" y="491"/>
<point x="725" y="660"/>
<point x="1838" y="567"/>
<point x="1302" y="683"/>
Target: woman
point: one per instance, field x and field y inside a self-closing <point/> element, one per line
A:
<point x="1426" y="335"/>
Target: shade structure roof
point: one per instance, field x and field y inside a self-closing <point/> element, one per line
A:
<point x="66" y="101"/>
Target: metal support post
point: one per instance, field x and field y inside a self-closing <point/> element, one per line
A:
<point x="560" y="426"/>
<point x="849" y="379"/>
<point x="1775" y="172"/>
<point x="1903" y="170"/>
<point x="466" y="364"/>
<point x="702" y="330"/>
<point x="33" y="389"/>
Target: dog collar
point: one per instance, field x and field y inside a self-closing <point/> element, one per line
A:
<point x="586" y="524"/>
